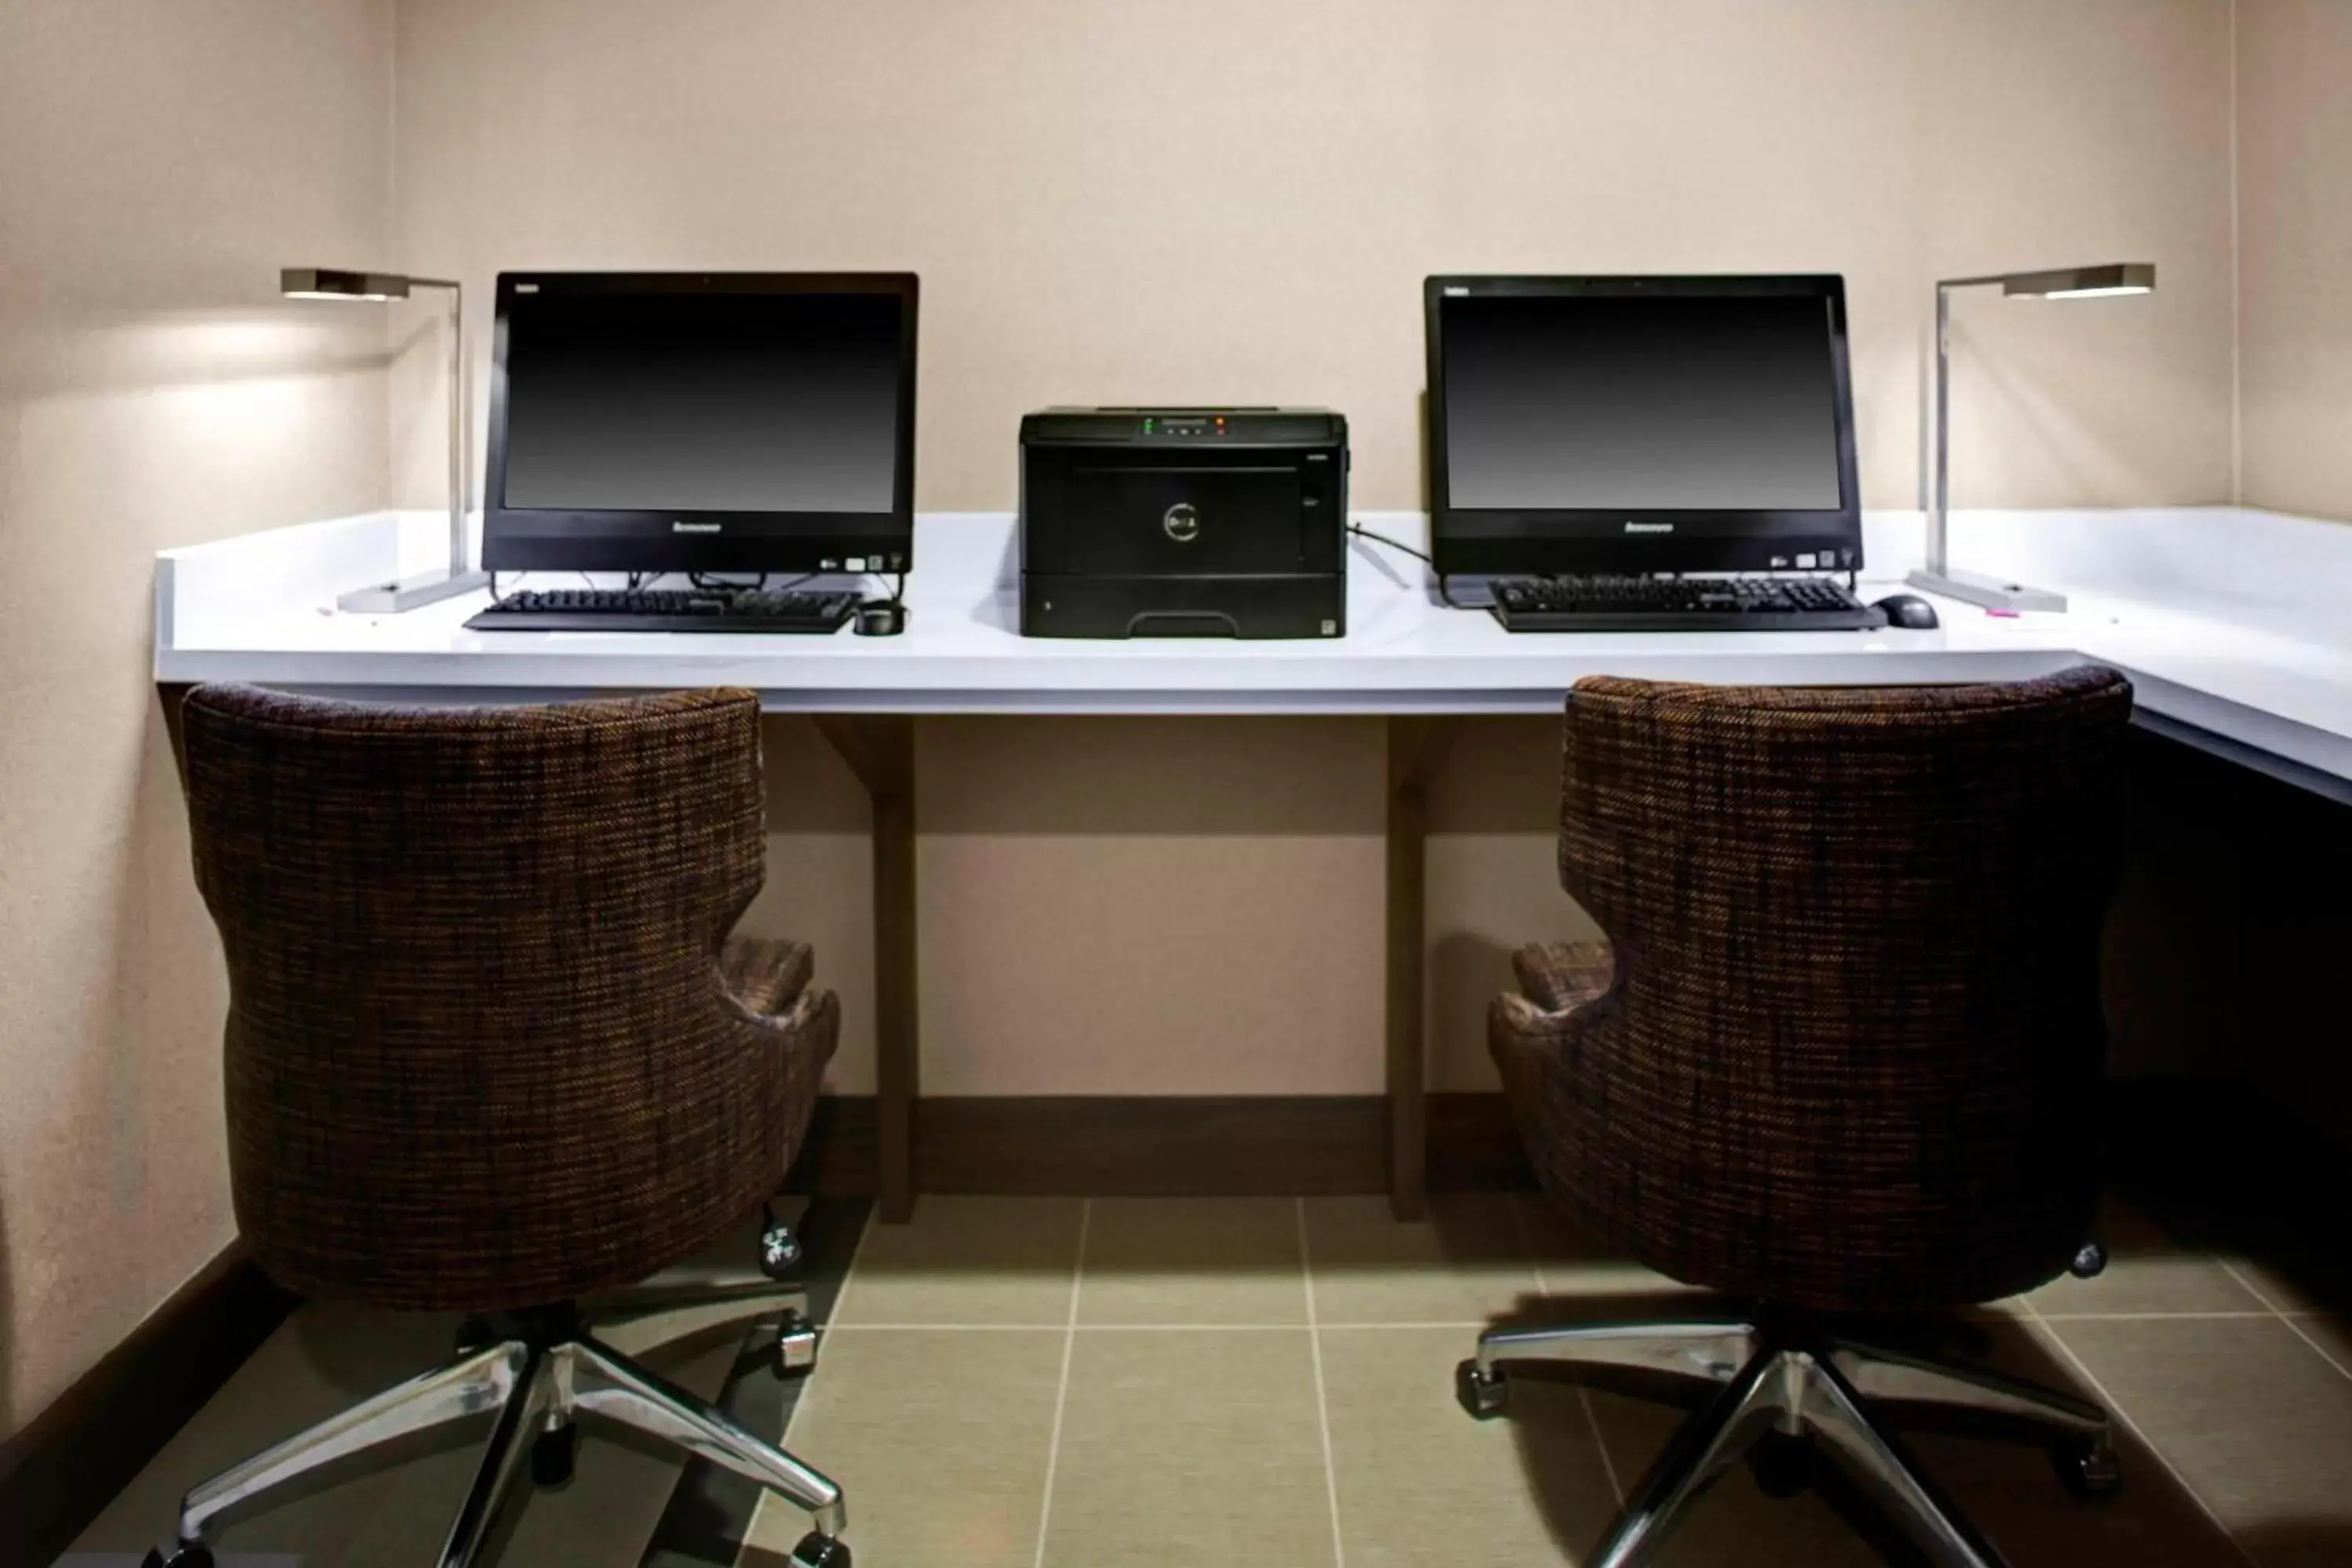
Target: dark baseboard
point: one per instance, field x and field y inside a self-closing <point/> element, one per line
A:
<point x="2222" y="1133"/>
<point x="1474" y="1147"/>
<point x="841" y="1156"/>
<point x="1117" y="1146"/>
<point x="67" y="1463"/>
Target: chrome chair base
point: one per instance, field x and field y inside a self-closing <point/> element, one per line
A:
<point x="539" y="1372"/>
<point x="1757" y="1383"/>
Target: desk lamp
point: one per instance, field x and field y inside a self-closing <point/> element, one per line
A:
<point x="2064" y="283"/>
<point x="408" y="592"/>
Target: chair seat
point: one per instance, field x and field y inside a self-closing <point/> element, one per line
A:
<point x="766" y="974"/>
<point x="1562" y="976"/>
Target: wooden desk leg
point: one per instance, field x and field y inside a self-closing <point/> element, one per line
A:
<point x="880" y="750"/>
<point x="1417" y="747"/>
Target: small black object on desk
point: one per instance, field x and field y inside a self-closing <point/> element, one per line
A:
<point x="880" y="618"/>
<point x="1909" y="612"/>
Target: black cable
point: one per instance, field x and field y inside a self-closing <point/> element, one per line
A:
<point x="1393" y="544"/>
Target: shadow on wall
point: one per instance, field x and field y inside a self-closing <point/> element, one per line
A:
<point x="809" y="788"/>
<point x="10" y="1417"/>
<point x="172" y="989"/>
<point x="1131" y="776"/>
<point x="2219" y="958"/>
<point x="1466" y="973"/>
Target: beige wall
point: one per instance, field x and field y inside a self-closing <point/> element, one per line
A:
<point x="1237" y="201"/>
<point x="157" y="163"/>
<point x="1106" y="202"/>
<point x="2295" y="218"/>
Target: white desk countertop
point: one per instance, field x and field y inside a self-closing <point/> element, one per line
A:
<point x="2231" y="623"/>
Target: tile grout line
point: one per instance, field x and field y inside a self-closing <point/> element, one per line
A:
<point x="2281" y="1314"/>
<point x="1061" y="1391"/>
<point x="2205" y="1317"/>
<point x="1583" y="1397"/>
<point x="1476" y="1323"/>
<point x="2115" y="1410"/>
<point x="1322" y="1400"/>
<point x="1187" y="1328"/>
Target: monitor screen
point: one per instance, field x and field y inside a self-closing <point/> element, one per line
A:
<point x="710" y="422"/>
<point x="1640" y="424"/>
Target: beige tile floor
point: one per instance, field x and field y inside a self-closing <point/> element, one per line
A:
<point x="1267" y="1382"/>
<point x="1089" y="1384"/>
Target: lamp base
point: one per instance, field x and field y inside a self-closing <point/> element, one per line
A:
<point x="1992" y="593"/>
<point x="409" y="593"/>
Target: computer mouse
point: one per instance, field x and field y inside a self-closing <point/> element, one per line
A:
<point x="888" y="618"/>
<point x="1909" y="611"/>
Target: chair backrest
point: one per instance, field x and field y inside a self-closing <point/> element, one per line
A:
<point x="1853" y="1056"/>
<point x="478" y="1053"/>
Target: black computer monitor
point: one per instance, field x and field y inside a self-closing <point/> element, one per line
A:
<point x="1640" y="424"/>
<point x="702" y="421"/>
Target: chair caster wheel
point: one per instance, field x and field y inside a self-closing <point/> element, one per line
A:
<point x="1781" y="1464"/>
<point x="795" y="1347"/>
<point x="193" y="1555"/>
<point x="2087" y="1467"/>
<point x="1482" y="1395"/>
<point x="820" y="1552"/>
<point x="2092" y="1259"/>
<point x="554" y="1454"/>
<point x="779" y="1249"/>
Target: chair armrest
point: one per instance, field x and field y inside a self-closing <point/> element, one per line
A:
<point x="765" y="974"/>
<point x="765" y="983"/>
<point x="1560" y="977"/>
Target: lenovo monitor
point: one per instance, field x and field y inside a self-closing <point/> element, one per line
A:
<point x="1640" y="424"/>
<point x="702" y="421"/>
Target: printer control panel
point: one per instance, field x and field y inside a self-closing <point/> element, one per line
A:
<point x="1240" y="426"/>
<point x="1178" y="425"/>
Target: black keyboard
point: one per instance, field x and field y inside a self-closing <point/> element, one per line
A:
<point x="666" y="610"/>
<point x="1680" y="604"/>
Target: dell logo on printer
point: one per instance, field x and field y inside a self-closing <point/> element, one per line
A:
<point x="682" y="526"/>
<point x="1632" y="527"/>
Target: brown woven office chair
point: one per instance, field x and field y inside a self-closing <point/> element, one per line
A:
<point x="1840" y="1056"/>
<point x="489" y="1050"/>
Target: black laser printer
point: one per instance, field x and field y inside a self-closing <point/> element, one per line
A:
<point x="1184" y="522"/>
